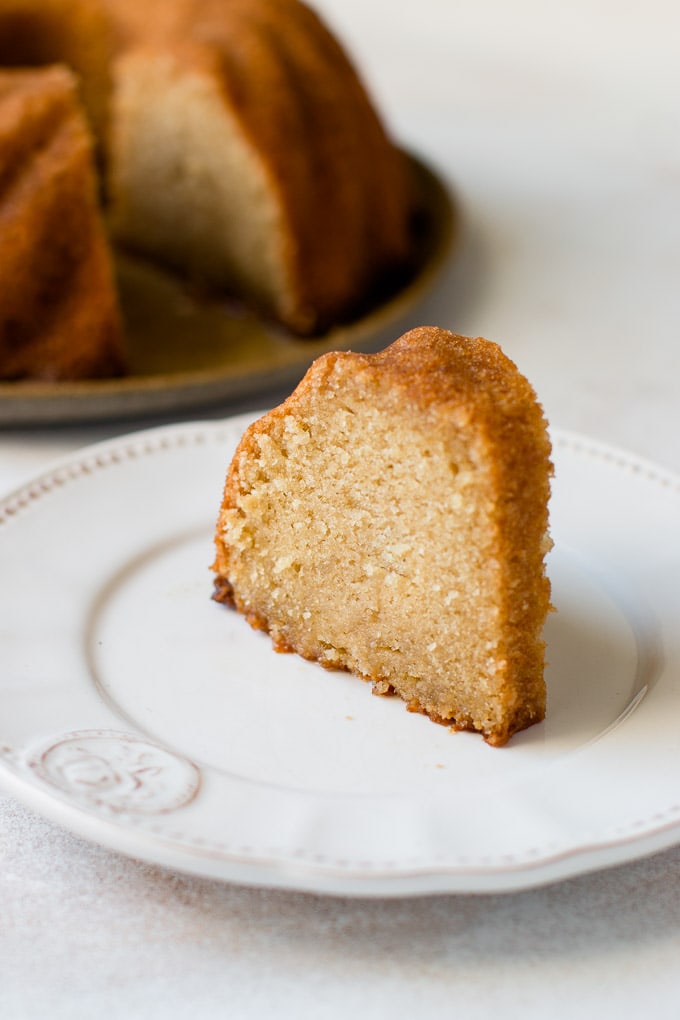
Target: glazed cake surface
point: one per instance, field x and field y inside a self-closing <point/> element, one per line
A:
<point x="391" y="518"/>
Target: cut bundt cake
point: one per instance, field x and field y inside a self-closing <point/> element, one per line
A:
<point x="390" y="518"/>
<point x="59" y="316"/>
<point x="246" y="153"/>
<point x="237" y="144"/>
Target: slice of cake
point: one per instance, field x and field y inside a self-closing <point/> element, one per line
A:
<point x="390" y="518"/>
<point x="59" y="315"/>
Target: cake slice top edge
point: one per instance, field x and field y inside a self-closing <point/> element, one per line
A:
<point x="437" y="372"/>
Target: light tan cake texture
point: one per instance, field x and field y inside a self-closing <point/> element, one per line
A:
<point x="245" y="152"/>
<point x="391" y="518"/>
<point x="59" y="315"/>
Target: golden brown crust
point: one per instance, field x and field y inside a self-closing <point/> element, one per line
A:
<point x="59" y="316"/>
<point x="76" y="33"/>
<point x="223" y="592"/>
<point x="441" y="383"/>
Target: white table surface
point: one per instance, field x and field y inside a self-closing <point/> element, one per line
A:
<point x="559" y="127"/>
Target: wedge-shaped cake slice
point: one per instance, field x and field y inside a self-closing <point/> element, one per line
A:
<point x="391" y="518"/>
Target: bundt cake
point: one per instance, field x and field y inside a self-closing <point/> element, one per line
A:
<point x="245" y="152"/>
<point x="390" y="518"/>
<point x="238" y="143"/>
<point x="59" y="316"/>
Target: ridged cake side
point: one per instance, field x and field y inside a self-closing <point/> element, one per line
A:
<point x="249" y="116"/>
<point x="59" y="314"/>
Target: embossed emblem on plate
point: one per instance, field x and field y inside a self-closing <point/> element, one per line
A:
<point x="117" y="772"/>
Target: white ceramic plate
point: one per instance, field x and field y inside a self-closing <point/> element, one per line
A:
<point x="138" y="713"/>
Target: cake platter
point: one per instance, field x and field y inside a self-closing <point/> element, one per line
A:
<point x="140" y="714"/>
<point x="188" y="351"/>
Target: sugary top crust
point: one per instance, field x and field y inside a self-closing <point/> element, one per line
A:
<point x="451" y="380"/>
<point x="437" y="372"/>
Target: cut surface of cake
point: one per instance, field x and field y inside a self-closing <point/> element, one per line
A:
<point x="391" y="518"/>
<point x="59" y="315"/>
